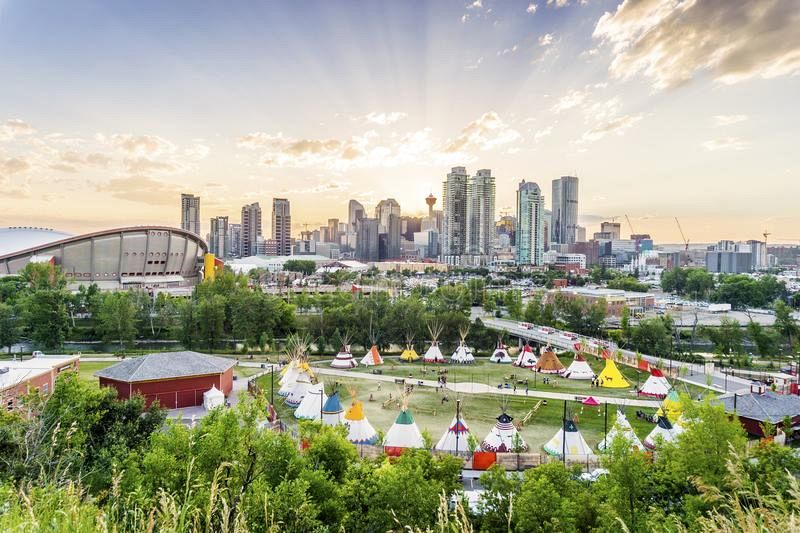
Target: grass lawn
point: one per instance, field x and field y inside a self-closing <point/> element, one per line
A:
<point x="478" y="410"/>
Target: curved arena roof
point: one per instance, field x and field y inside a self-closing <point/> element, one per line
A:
<point x="19" y="238"/>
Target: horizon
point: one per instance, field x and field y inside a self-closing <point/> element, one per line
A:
<point x="661" y="109"/>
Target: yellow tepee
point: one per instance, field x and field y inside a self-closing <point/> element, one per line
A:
<point x="611" y="377"/>
<point x="409" y="354"/>
<point x="671" y="407"/>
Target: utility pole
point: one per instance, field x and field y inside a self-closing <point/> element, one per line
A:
<point x="458" y="421"/>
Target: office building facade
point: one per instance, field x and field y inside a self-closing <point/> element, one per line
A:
<point x="218" y="237"/>
<point x="530" y="224"/>
<point x="564" y="224"/>
<point x="480" y="215"/>
<point x="282" y="226"/>
<point x="190" y="213"/>
<point x="454" y="218"/>
<point x="251" y="229"/>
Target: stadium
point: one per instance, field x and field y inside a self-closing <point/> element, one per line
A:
<point x="120" y="258"/>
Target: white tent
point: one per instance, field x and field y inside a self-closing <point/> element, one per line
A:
<point x="359" y="430"/>
<point x="455" y="438"/>
<point x="621" y="428"/>
<point x="502" y="437"/>
<point x="403" y="434"/>
<point x="664" y="432"/>
<point x="212" y="398"/>
<point x="500" y="354"/>
<point x="575" y="443"/>
<point x="332" y="411"/>
<point x="311" y="405"/>
<point x="526" y="357"/>
<point x="462" y="355"/>
<point x="656" y="384"/>
<point x="344" y="359"/>
<point x="298" y="391"/>
<point x="288" y="377"/>
<point x="579" y="369"/>
<point x="434" y="353"/>
<point x="373" y="357"/>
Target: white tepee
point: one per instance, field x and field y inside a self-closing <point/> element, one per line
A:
<point x="344" y="359"/>
<point x="403" y="434"/>
<point x="455" y="438"/>
<point x="526" y="357"/>
<point x="299" y="390"/>
<point x="463" y="354"/>
<point x="621" y="429"/>
<point x="656" y="384"/>
<point x="575" y="443"/>
<point x="663" y="432"/>
<point x="579" y="369"/>
<point x="310" y="407"/>
<point x="359" y="430"/>
<point x="434" y="353"/>
<point x="502" y="437"/>
<point x="373" y="357"/>
<point x="500" y="354"/>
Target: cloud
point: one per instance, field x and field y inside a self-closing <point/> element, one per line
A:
<point x="13" y="165"/>
<point x="558" y="3"/>
<point x="13" y="128"/>
<point x="572" y="99"/>
<point x="477" y="4"/>
<point x="464" y="18"/>
<point x="507" y="51"/>
<point x="728" y="143"/>
<point x="546" y="39"/>
<point x="327" y="187"/>
<point x="618" y="125"/>
<point x="727" y="120"/>
<point x="671" y="41"/>
<point x="63" y="167"/>
<point x="475" y="65"/>
<point x="384" y="119"/>
<point x="485" y="133"/>
<point x="144" y="165"/>
<point x="94" y="159"/>
<point x="541" y="134"/>
<point x="142" y="189"/>
<point x="141" y="144"/>
<point x="531" y="8"/>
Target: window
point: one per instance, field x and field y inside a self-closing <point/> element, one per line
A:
<point x="10" y="404"/>
<point x="46" y="388"/>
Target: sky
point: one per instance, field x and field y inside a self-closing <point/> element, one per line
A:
<point x="663" y="108"/>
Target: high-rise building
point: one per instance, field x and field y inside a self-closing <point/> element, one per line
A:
<point x="453" y="237"/>
<point x="218" y="238"/>
<point x="251" y="229"/>
<point x="563" y="229"/>
<point x="367" y="240"/>
<point x="530" y="224"/>
<point x="393" y="238"/>
<point x="383" y="210"/>
<point x="333" y="230"/>
<point x="480" y="214"/>
<point x="507" y="225"/>
<point x="580" y="234"/>
<point x="235" y="240"/>
<point x="190" y="213"/>
<point x="355" y="212"/>
<point x="614" y="229"/>
<point x="282" y="226"/>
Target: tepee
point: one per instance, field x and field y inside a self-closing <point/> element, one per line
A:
<point x="403" y="434"/>
<point x="463" y="354"/>
<point x="455" y="438"/>
<point x="656" y="384"/>
<point x="409" y="354"/>
<point x="344" y="359"/>
<point x="373" y="357"/>
<point x="611" y="377"/>
<point x="502" y="437"/>
<point x="548" y="363"/>
<point x="526" y="357"/>
<point x="568" y="440"/>
<point x="663" y="432"/>
<point x="621" y="428"/>
<point x="434" y="353"/>
<point x="332" y="411"/>
<point x="500" y="354"/>
<point x="579" y="369"/>
<point x="671" y="406"/>
<point x="359" y="430"/>
<point x="311" y="405"/>
<point x="299" y="390"/>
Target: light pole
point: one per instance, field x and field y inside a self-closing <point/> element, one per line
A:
<point x="458" y="421"/>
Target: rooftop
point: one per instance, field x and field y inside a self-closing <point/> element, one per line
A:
<point x="14" y="372"/>
<point x="18" y="238"/>
<point x="766" y="406"/>
<point x="165" y="365"/>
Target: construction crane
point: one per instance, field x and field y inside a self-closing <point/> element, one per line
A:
<point x="685" y="240"/>
<point x="766" y="234"/>
<point x="633" y="232"/>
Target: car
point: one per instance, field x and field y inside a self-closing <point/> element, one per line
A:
<point x="37" y="353"/>
<point x="594" y="475"/>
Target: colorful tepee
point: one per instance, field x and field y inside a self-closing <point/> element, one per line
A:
<point x="500" y="354"/>
<point x="373" y="357"/>
<point x="463" y="354"/>
<point x="298" y="391"/>
<point x="621" y="429"/>
<point x="332" y="411"/>
<point x="568" y="439"/>
<point x="310" y="407"/>
<point x="526" y="357"/>
<point x="671" y="406"/>
<point x="344" y="359"/>
<point x="455" y="438"/>
<point x="434" y="353"/>
<point x="656" y="385"/>
<point x="579" y="369"/>
<point x="663" y="432"/>
<point x="611" y="377"/>
<point x="548" y="363"/>
<point x="403" y="434"/>
<point x="359" y="430"/>
<point x="503" y="437"/>
<point x="409" y="354"/>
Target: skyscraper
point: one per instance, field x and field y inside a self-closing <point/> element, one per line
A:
<point x="282" y="226"/>
<point x="480" y="214"/>
<point x="235" y="240"/>
<point x="383" y="210"/>
<point x="367" y="240"/>
<point x="251" y="229"/>
<point x="530" y="224"/>
<point x="355" y="212"/>
<point x="565" y="210"/>
<point x="190" y="213"/>
<point x="218" y="239"/>
<point x="454" y="220"/>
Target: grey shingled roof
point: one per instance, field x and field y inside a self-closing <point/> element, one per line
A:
<point x="763" y="407"/>
<point x="165" y="365"/>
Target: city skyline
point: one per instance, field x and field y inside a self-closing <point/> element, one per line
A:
<point x="321" y="104"/>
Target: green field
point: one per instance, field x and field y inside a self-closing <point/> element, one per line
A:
<point x="479" y="411"/>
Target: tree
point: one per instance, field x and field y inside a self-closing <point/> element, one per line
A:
<point x="762" y="338"/>
<point x="513" y="303"/>
<point x="653" y="336"/>
<point x="304" y="266"/>
<point x="45" y="316"/>
<point x="116" y="318"/>
<point x="9" y="327"/>
<point x="211" y="319"/>
<point x="785" y="323"/>
<point x="626" y="485"/>
<point x="726" y="338"/>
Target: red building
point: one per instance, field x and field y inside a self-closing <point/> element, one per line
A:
<point x="175" y="379"/>
<point x="18" y="378"/>
<point x="756" y="408"/>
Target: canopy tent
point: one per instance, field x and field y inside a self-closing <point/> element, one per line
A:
<point x="671" y="406"/>
<point x="212" y="398"/>
<point x="455" y="438"/>
<point x="568" y="439"/>
<point x="344" y="359"/>
<point x="611" y="377"/>
<point x="373" y="357"/>
<point x="311" y="405"/>
<point x="621" y="429"/>
<point x="663" y="432"/>
<point x="500" y="354"/>
<point x="591" y="402"/>
<point x="579" y="369"/>
<point x="359" y="430"/>
<point x="502" y="437"/>
<point x="548" y="363"/>
<point x="656" y="385"/>
<point x="526" y="357"/>
<point x="403" y="434"/>
<point x="332" y="411"/>
<point x="298" y="391"/>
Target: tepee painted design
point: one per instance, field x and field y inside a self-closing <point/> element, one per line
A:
<point x="567" y="440"/>
<point x="299" y="390"/>
<point x="296" y="348"/>
<point x="373" y="356"/>
<point x="663" y="433"/>
<point x="621" y="429"/>
<point x="656" y="384"/>
<point x="344" y="359"/>
<point x="332" y="410"/>
<point x="434" y="353"/>
<point x="409" y="354"/>
<point x="359" y="430"/>
<point x="671" y="406"/>
<point x="549" y="363"/>
<point x="526" y="357"/>
<point x="579" y="369"/>
<point x="455" y="438"/>
<point x="500" y="354"/>
<point x="463" y="354"/>
<point x="611" y="377"/>
<point x="502" y="437"/>
<point x="403" y="434"/>
<point x="310" y="407"/>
